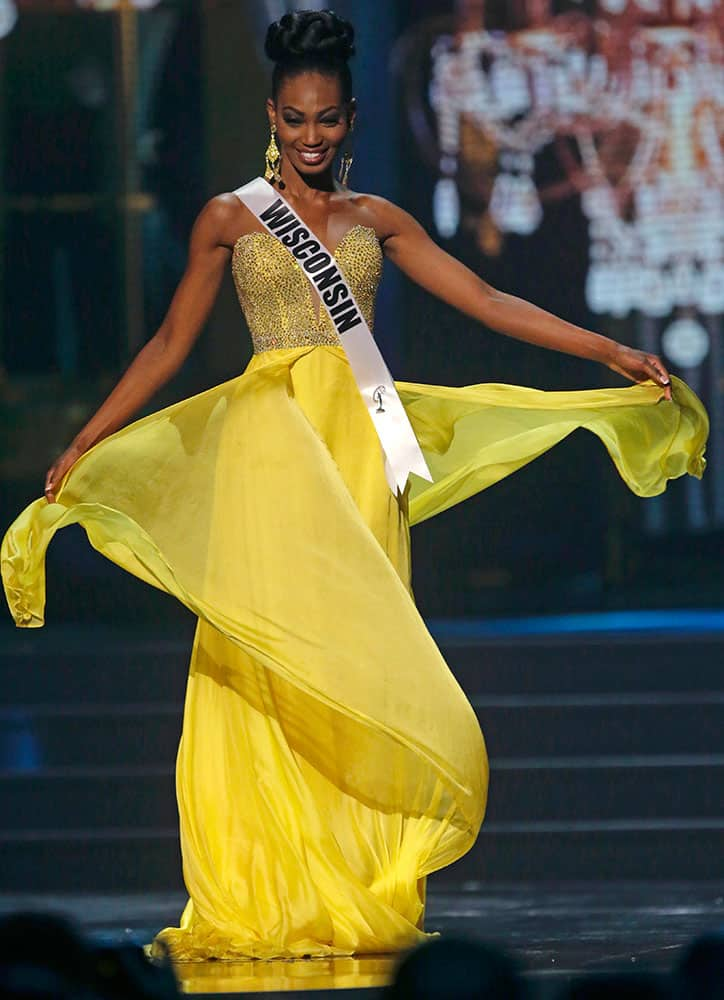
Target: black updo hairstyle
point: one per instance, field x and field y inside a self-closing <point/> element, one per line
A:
<point x="311" y="40"/>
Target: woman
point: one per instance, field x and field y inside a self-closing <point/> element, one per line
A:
<point x="329" y="761"/>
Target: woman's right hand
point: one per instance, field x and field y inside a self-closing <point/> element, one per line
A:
<point x="58" y="469"/>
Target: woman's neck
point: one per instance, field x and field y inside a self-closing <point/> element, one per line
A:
<point x="309" y="188"/>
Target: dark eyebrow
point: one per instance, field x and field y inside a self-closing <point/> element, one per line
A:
<point x="290" y="107"/>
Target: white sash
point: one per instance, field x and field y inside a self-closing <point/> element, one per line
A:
<point x="399" y="444"/>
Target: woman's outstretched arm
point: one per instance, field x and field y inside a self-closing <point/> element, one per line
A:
<point x="408" y="245"/>
<point x="161" y="357"/>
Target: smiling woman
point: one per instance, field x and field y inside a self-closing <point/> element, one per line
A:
<point x="329" y="760"/>
<point x="310" y="130"/>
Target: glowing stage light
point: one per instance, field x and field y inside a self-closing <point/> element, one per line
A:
<point x="8" y="17"/>
<point x="685" y="342"/>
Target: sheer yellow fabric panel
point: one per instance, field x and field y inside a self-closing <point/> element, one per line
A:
<point x="472" y="436"/>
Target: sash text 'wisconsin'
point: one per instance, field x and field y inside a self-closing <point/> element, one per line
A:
<point x="317" y="263"/>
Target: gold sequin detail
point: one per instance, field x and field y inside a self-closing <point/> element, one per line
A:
<point x="277" y="298"/>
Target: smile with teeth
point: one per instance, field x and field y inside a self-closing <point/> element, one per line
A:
<point x="312" y="158"/>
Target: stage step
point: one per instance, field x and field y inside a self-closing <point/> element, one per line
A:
<point x="77" y="665"/>
<point x="77" y="860"/>
<point x="607" y="756"/>
<point x="65" y="665"/>
<point x="591" y="725"/>
<point x="585" y="725"/>
<point x="521" y="790"/>
<point x="606" y="788"/>
<point x="667" y="850"/>
<point x="587" y="664"/>
<point x="129" y="860"/>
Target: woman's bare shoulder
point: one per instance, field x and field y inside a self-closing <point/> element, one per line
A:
<point x="382" y="214"/>
<point x="226" y="217"/>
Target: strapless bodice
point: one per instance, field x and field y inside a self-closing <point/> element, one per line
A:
<point x="280" y="305"/>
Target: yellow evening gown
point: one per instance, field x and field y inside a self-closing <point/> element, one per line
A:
<point x="329" y="760"/>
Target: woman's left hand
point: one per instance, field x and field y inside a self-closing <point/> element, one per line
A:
<point x="639" y="366"/>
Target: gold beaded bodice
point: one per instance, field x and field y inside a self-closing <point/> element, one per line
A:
<point x="280" y="306"/>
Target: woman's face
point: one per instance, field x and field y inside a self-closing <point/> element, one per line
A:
<point x="311" y="120"/>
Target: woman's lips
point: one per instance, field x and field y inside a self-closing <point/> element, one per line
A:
<point x="311" y="158"/>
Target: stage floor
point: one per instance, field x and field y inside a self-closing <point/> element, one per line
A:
<point x="555" y="931"/>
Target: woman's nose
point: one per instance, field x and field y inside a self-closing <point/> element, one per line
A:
<point x="311" y="136"/>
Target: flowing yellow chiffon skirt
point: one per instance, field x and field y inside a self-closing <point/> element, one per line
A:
<point x="329" y="760"/>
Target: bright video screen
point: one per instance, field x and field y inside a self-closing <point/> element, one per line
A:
<point x="592" y="132"/>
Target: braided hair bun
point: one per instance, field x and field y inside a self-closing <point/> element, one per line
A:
<point x="310" y="35"/>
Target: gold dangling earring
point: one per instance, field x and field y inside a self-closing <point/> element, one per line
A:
<point x="272" y="158"/>
<point x="347" y="158"/>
